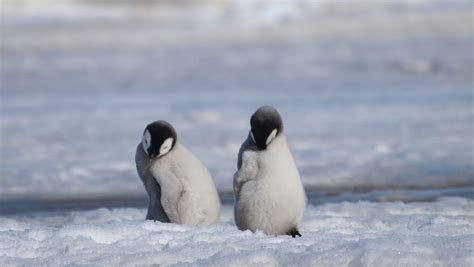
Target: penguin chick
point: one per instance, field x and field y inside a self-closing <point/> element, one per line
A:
<point x="179" y="186"/>
<point x="269" y="195"/>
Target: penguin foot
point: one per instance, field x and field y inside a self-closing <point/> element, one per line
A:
<point x="294" y="232"/>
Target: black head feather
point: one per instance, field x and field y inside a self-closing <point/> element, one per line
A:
<point x="263" y="122"/>
<point x="158" y="132"/>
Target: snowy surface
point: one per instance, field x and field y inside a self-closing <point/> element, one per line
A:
<point x="373" y="96"/>
<point x="356" y="234"/>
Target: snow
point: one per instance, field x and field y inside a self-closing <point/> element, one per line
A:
<point x="360" y="234"/>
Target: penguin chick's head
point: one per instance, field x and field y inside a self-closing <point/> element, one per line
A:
<point x="266" y="124"/>
<point x="159" y="138"/>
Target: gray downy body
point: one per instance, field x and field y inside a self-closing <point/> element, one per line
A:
<point x="180" y="188"/>
<point x="269" y="195"/>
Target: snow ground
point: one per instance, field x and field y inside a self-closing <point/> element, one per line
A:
<point x="356" y="234"/>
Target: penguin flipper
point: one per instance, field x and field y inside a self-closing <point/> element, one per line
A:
<point x="153" y="189"/>
<point x="246" y="167"/>
<point x="239" y="181"/>
<point x="155" y="209"/>
<point x="247" y="145"/>
<point x="293" y="232"/>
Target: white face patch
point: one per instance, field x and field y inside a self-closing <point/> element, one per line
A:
<point x="271" y="136"/>
<point x="166" y="146"/>
<point x="253" y="138"/>
<point x="146" y="141"/>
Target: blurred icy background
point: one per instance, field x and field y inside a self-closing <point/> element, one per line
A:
<point x="376" y="96"/>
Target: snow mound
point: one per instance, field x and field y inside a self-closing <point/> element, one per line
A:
<point x="362" y="233"/>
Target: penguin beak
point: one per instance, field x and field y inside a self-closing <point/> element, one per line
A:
<point x="262" y="141"/>
<point x="258" y="142"/>
<point x="152" y="155"/>
<point x="261" y="146"/>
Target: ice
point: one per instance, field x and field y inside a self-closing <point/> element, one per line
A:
<point x="360" y="234"/>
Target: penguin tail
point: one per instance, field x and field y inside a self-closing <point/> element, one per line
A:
<point x="294" y="232"/>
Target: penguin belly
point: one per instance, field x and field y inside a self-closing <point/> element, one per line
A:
<point x="188" y="195"/>
<point x="260" y="208"/>
<point x="273" y="201"/>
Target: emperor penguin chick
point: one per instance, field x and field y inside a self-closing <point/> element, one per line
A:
<point x="179" y="186"/>
<point x="269" y="195"/>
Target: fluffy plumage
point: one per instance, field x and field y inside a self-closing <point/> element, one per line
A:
<point x="180" y="187"/>
<point x="269" y="195"/>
